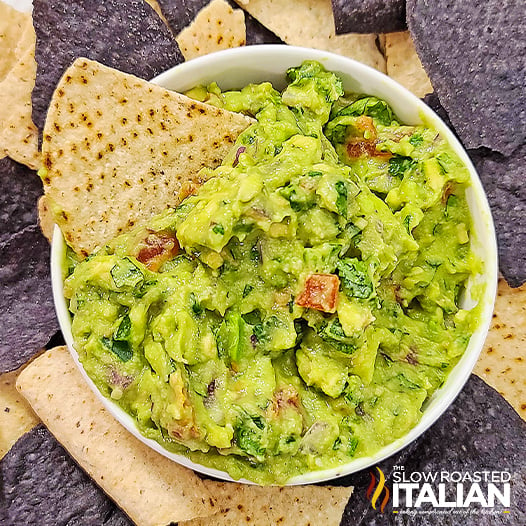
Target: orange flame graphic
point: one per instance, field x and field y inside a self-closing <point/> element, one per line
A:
<point x="378" y="490"/>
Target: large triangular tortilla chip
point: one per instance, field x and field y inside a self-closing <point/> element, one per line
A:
<point x="263" y="506"/>
<point x="117" y="150"/>
<point x="310" y="23"/>
<point x="151" y="489"/>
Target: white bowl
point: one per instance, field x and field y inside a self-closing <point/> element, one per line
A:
<point x="234" y="69"/>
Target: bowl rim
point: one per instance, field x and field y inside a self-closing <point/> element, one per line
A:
<point x="183" y="76"/>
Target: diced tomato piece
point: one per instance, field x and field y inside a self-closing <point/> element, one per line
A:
<point x="320" y="292"/>
<point x="159" y="247"/>
<point x="366" y="124"/>
<point x="360" y="148"/>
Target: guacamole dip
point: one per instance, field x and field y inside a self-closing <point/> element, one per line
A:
<point x="300" y="308"/>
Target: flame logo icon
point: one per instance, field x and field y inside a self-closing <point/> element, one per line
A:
<point x="378" y="491"/>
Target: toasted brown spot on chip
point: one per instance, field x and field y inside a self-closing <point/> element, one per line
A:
<point x="505" y="345"/>
<point x="174" y="159"/>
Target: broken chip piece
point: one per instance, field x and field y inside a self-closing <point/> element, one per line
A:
<point x="217" y="26"/>
<point x="180" y="13"/>
<point x="501" y="363"/>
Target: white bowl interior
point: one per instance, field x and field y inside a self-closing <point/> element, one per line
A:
<point x="234" y="69"/>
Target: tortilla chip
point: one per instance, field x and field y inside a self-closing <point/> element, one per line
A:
<point x="369" y="16"/>
<point x="152" y="489"/>
<point x="180" y="13"/>
<point x="403" y="64"/>
<point x="123" y="34"/>
<point x="264" y="506"/>
<point x="18" y="134"/>
<point x="45" y="218"/>
<point x="478" y="429"/>
<point x="217" y="26"/>
<point x="42" y="485"/>
<point x="474" y="54"/>
<point x="310" y="23"/>
<point x="118" y="150"/>
<point x="432" y="100"/>
<point x="16" y="415"/>
<point x="502" y="363"/>
<point x="381" y="43"/>
<point x="20" y="189"/>
<point x="26" y="301"/>
<point x="13" y="25"/>
<point x="157" y="8"/>
<point x="503" y="179"/>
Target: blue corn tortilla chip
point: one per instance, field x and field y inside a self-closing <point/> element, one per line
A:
<point x="257" y="33"/>
<point x="180" y="14"/>
<point x="432" y="100"/>
<point x="480" y="431"/>
<point x="26" y="301"/>
<point x="368" y="16"/>
<point x="475" y="56"/>
<point x="124" y="34"/>
<point x="20" y="189"/>
<point x="42" y="484"/>
<point x="504" y="180"/>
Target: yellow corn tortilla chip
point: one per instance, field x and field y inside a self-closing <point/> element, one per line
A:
<point x="151" y="489"/>
<point x="16" y="415"/>
<point x="502" y="363"/>
<point x="117" y="150"/>
<point x="18" y="134"/>
<point x="403" y="64"/>
<point x="263" y="506"/>
<point x="45" y="218"/>
<point x="157" y="8"/>
<point x="217" y="26"/>
<point x="13" y="24"/>
<point x="310" y="23"/>
<point x="381" y="43"/>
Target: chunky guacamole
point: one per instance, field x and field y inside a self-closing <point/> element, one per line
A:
<point x="301" y="307"/>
